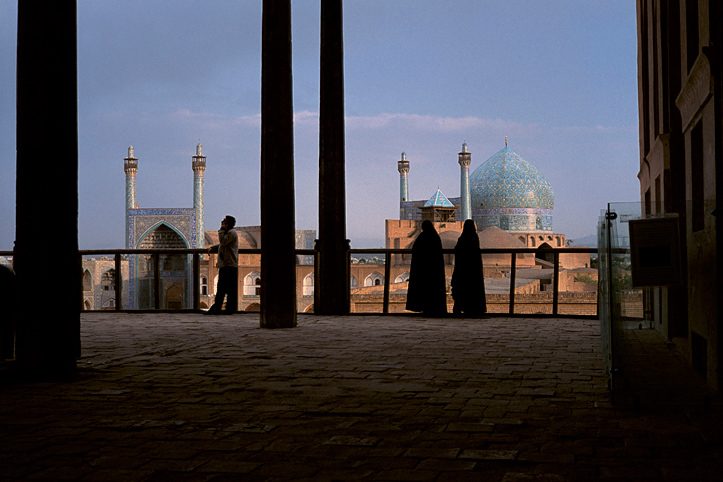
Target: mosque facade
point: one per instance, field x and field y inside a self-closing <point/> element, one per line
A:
<point x="162" y="228"/>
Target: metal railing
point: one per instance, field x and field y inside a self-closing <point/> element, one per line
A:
<point x="119" y="254"/>
<point x="513" y="252"/>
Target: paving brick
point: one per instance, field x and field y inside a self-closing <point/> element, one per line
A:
<point x="489" y="454"/>
<point x="181" y="397"/>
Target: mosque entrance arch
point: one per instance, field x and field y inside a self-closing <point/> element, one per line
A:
<point x="174" y="296"/>
<point x="174" y="270"/>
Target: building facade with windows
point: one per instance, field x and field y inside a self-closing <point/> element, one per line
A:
<point x="680" y="85"/>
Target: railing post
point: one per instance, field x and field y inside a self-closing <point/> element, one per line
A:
<point x="513" y="280"/>
<point x="555" y="281"/>
<point x="317" y="294"/>
<point x="118" y="286"/>
<point x="387" y="273"/>
<point x="157" y="280"/>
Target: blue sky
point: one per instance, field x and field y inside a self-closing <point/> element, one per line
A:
<point x="557" y="77"/>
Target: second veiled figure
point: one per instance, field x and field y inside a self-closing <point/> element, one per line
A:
<point x="427" y="283"/>
<point x="468" y="285"/>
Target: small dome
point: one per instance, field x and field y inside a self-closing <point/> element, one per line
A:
<point x="506" y="180"/>
<point x="494" y="237"/>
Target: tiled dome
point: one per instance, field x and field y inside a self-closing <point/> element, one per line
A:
<point x="506" y="181"/>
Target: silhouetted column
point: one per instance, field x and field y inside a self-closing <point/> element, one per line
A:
<point x="716" y="34"/>
<point x="333" y="245"/>
<point x="278" y="261"/>
<point x="47" y="264"/>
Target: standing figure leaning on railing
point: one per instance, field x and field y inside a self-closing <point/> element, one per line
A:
<point x="227" y="264"/>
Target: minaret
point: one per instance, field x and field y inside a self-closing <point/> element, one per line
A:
<point x="465" y="159"/>
<point x="130" y="166"/>
<point x="199" y="168"/>
<point x="403" y="168"/>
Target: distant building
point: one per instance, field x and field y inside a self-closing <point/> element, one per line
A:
<point x="99" y="285"/>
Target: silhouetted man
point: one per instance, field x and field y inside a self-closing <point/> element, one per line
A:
<point x="227" y="264"/>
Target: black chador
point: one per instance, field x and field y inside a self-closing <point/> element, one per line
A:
<point x="427" y="286"/>
<point x="468" y="284"/>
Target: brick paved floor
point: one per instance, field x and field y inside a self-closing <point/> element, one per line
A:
<point x="164" y="397"/>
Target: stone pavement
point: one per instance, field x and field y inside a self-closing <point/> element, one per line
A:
<point x="184" y="397"/>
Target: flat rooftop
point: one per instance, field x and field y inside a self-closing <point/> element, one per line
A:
<point x="186" y="397"/>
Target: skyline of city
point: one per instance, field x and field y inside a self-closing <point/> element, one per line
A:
<point x="559" y="80"/>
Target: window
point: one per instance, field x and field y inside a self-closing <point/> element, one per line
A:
<point x="204" y="286"/>
<point x="308" y="285"/>
<point x="374" y="279"/>
<point x="87" y="281"/>
<point x="252" y="284"/>
<point x="108" y="280"/>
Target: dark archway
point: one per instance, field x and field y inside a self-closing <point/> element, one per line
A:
<point x="545" y="253"/>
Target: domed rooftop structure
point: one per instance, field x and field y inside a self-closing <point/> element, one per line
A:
<point x="510" y="193"/>
<point x="506" y="180"/>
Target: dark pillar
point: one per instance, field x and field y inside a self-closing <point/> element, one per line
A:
<point x="47" y="264"/>
<point x="716" y="57"/>
<point x="333" y="246"/>
<point x="278" y="260"/>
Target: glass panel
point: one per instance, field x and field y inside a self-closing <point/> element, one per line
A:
<point x="621" y="306"/>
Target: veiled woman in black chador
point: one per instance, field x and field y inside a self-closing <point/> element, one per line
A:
<point x="427" y="286"/>
<point x="468" y="284"/>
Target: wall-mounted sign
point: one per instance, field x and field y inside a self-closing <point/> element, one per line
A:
<point x="655" y="251"/>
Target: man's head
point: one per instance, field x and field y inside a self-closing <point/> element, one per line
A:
<point x="229" y="221"/>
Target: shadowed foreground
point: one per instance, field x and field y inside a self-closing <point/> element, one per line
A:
<point x="164" y="397"/>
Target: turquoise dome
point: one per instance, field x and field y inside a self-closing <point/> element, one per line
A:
<point x="506" y="180"/>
